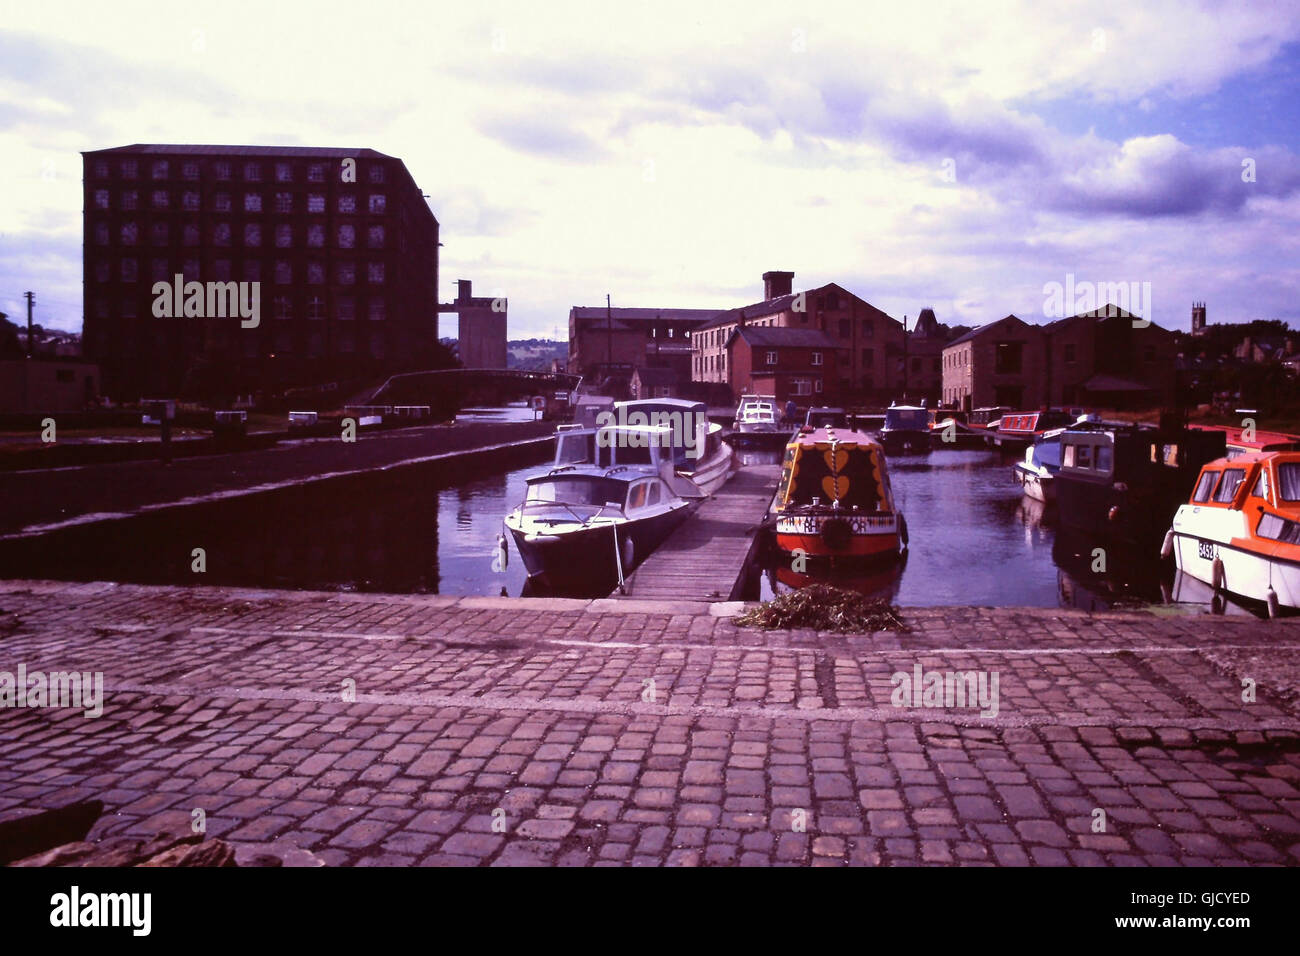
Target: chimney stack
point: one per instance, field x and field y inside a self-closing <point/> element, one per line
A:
<point x="777" y="284"/>
<point x="463" y="287"/>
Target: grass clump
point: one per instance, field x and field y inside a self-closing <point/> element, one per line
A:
<point x="824" y="608"/>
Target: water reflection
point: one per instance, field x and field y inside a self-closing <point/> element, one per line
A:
<point x="974" y="540"/>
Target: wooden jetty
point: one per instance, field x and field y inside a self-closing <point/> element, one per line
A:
<point x="703" y="560"/>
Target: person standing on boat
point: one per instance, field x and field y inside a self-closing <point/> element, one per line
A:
<point x="791" y="410"/>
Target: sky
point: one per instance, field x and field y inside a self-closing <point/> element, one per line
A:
<point x="960" y="156"/>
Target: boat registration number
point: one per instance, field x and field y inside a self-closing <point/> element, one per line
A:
<point x="1205" y="549"/>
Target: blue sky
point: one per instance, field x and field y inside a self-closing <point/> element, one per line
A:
<point x="959" y="156"/>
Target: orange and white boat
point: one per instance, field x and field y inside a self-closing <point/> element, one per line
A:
<point x="834" y="500"/>
<point x="1240" y="532"/>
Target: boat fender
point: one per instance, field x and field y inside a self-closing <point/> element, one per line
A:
<point x="501" y="557"/>
<point x="1167" y="548"/>
<point x="837" y="533"/>
<point x="902" y="532"/>
<point x="629" y="552"/>
<point x="1271" y="598"/>
<point x="1216" y="573"/>
<point x="1113" y="514"/>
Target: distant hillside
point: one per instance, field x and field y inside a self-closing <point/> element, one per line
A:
<point x="535" y="353"/>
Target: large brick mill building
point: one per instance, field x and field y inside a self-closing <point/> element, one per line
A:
<point x="342" y="242"/>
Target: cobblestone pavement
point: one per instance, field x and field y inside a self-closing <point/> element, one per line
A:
<point x="622" y="732"/>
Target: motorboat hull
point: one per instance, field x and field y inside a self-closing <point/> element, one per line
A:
<point x="1204" y="537"/>
<point x="583" y="560"/>
<point x="1036" y="485"/>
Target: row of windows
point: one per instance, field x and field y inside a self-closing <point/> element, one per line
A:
<point x="282" y="344"/>
<point x="282" y="308"/>
<point x="162" y="270"/>
<point x="190" y="201"/>
<point x="160" y="233"/>
<point x="251" y="171"/>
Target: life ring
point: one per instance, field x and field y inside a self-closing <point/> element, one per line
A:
<point x="837" y="533"/>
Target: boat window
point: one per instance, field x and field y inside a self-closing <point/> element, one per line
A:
<point x="1278" y="529"/>
<point x="1261" y="484"/>
<point x="1083" y="457"/>
<point x="575" y="448"/>
<point x="1205" y="485"/>
<point x="1232" y="478"/>
<point x="653" y="498"/>
<point x="1067" y="459"/>
<point x="1288" y="479"/>
<point x="636" y="494"/>
<point x="574" y="491"/>
<point x="1105" y="458"/>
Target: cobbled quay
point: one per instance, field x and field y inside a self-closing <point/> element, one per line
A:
<point x="401" y="730"/>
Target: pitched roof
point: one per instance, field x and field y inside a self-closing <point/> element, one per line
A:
<point x="782" y="303"/>
<point x="776" y="336"/>
<point x="980" y="330"/>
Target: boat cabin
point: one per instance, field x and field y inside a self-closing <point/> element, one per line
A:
<point x="584" y="495"/>
<point x="826" y="417"/>
<point x="907" y="418"/>
<point x="1262" y="483"/>
<point x="834" y="469"/>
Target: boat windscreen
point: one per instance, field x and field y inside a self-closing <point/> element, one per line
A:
<point x="576" y="490"/>
<point x="854" y="481"/>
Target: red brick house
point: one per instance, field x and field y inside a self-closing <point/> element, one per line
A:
<point x="793" y="364"/>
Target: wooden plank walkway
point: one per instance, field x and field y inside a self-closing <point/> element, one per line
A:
<point x="702" y="559"/>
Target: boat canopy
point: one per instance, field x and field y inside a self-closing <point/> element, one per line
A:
<point x="907" y="417"/>
<point x="851" y="473"/>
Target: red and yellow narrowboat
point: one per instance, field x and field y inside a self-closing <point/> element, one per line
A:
<point x="1240" y="532"/>
<point x="834" y="500"/>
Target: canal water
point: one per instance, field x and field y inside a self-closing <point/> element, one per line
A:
<point x="433" y="528"/>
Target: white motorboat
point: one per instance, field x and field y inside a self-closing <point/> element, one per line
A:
<point x="583" y="528"/>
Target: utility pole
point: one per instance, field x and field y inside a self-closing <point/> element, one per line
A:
<point x="904" y="358"/>
<point x="31" y="298"/>
<point x="27" y="366"/>
<point x="609" y="327"/>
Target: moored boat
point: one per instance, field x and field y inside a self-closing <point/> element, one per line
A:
<point x="1036" y="474"/>
<point x="949" y="428"/>
<point x="906" y="428"/>
<point x="834" y="499"/>
<point x="697" y="451"/>
<point x="1240" y="529"/>
<point x="758" y="422"/>
<point x="584" y="527"/>
<point x="1016" y="430"/>
<point x="1123" y="482"/>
